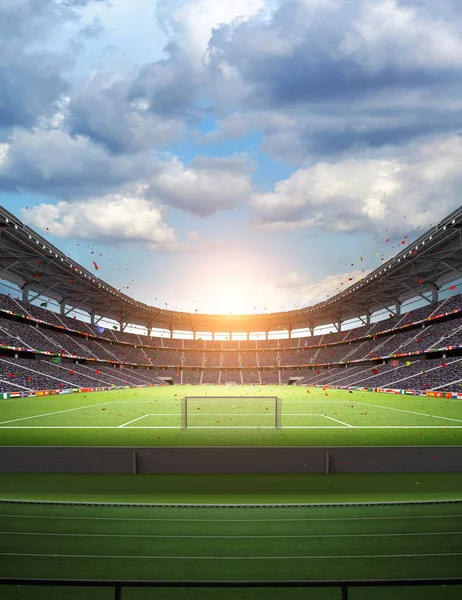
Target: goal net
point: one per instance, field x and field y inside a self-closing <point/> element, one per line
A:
<point x="230" y="412"/>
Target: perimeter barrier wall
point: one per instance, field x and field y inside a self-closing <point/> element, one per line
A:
<point x="303" y="459"/>
<point x="343" y="587"/>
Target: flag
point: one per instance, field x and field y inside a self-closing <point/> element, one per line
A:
<point x="56" y="360"/>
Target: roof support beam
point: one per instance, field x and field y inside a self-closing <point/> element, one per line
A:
<point x="62" y="306"/>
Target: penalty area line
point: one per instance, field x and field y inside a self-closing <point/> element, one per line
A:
<point x="337" y="421"/>
<point x="137" y="419"/>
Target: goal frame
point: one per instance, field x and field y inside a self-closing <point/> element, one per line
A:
<point x="276" y="402"/>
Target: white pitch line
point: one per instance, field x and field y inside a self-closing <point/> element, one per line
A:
<point x="228" y="537"/>
<point x="391" y="518"/>
<point x="158" y="557"/>
<point x="56" y="412"/>
<point x="332" y="419"/>
<point x="411" y="412"/>
<point x="137" y="419"/>
<point x="376" y="427"/>
<point x="236" y="427"/>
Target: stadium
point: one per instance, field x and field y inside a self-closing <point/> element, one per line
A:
<point x="230" y="300"/>
<point x="328" y="460"/>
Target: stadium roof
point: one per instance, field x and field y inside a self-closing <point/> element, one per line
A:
<point x="40" y="269"/>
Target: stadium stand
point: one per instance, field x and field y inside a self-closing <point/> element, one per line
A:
<point x="190" y="363"/>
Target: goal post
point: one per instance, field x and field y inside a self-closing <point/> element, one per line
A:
<point x="231" y="412"/>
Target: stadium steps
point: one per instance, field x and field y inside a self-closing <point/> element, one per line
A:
<point x="392" y="372"/>
<point x="148" y="360"/>
<point x="313" y="358"/>
<point x="91" y="379"/>
<point x="448" y="383"/>
<point x="86" y="327"/>
<point x="386" y="339"/>
<point x="9" y="338"/>
<point x="11" y="384"/>
<point x="105" y="350"/>
<point x="49" y="340"/>
<point x="23" y="367"/>
<point x="402" y="347"/>
<point x="21" y="307"/>
<point x="17" y="338"/>
<point x="86" y="350"/>
<point x="445" y="338"/>
<point x="428" y="370"/>
<point x="103" y="378"/>
<point x="366" y="380"/>
<point x="63" y="323"/>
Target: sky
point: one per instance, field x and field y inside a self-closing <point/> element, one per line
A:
<point x="230" y="157"/>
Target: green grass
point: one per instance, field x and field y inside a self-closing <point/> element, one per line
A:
<point x="231" y="488"/>
<point x="365" y="542"/>
<point x="152" y="417"/>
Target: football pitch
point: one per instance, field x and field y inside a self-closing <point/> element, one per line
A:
<point x="345" y="542"/>
<point x="152" y="417"/>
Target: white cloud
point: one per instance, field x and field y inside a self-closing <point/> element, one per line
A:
<point x="115" y="217"/>
<point x="309" y="293"/>
<point x="204" y="187"/>
<point x="423" y="182"/>
<point x="50" y="161"/>
<point x="197" y="19"/>
<point x="387" y="33"/>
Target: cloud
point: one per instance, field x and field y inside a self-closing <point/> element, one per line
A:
<point x="105" y="112"/>
<point x="31" y="77"/>
<point x="321" y="78"/>
<point x="309" y="293"/>
<point x="49" y="161"/>
<point x="205" y="186"/>
<point x="194" y="21"/>
<point x="368" y="195"/>
<point x="149" y="106"/>
<point x="130" y="110"/>
<point x="112" y="218"/>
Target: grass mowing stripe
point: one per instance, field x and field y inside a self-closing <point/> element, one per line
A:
<point x="234" y="537"/>
<point x="227" y="520"/>
<point x="158" y="557"/>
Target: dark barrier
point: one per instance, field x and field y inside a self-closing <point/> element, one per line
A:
<point x="343" y="586"/>
<point x="303" y="459"/>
